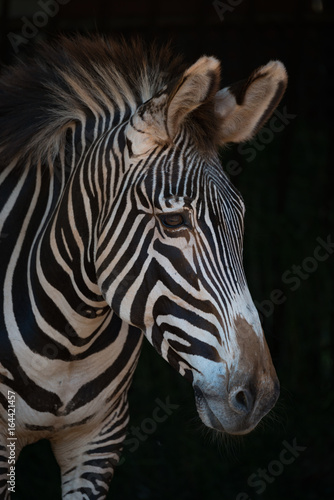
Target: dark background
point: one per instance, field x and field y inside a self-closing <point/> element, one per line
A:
<point x="287" y="183"/>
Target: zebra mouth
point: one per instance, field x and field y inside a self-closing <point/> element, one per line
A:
<point x="206" y="414"/>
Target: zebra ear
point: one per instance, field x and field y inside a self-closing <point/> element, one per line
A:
<point x="198" y="84"/>
<point x="159" y="119"/>
<point x="243" y="108"/>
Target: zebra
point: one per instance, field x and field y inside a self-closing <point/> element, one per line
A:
<point x="119" y="222"/>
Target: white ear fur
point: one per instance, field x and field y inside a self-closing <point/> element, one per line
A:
<point x="244" y="107"/>
<point x="192" y="90"/>
<point x="159" y="119"/>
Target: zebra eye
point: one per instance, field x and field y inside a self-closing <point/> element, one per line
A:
<point x="173" y="220"/>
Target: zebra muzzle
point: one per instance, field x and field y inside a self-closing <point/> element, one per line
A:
<point x="236" y="409"/>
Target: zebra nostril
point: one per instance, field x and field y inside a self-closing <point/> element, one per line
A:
<point x="241" y="400"/>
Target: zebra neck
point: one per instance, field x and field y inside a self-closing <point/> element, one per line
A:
<point x="66" y="256"/>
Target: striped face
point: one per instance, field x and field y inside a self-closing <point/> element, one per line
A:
<point x="173" y="268"/>
<point x="169" y="256"/>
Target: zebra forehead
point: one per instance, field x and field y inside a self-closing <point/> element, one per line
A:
<point x="192" y="177"/>
<point x="207" y="188"/>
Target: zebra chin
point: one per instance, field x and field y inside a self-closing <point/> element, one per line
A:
<point x="236" y="412"/>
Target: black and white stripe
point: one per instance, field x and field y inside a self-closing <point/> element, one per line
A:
<point x="120" y="221"/>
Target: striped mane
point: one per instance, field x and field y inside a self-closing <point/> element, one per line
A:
<point x="70" y="80"/>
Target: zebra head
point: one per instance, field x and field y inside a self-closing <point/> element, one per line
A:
<point x="169" y="255"/>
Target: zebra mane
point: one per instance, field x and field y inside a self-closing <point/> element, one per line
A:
<point x="71" y="78"/>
